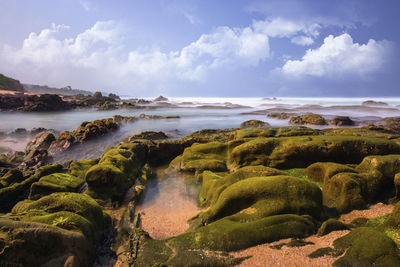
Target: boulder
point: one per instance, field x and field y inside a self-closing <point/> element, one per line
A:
<point x="342" y="121"/>
<point x="254" y="124"/>
<point x="310" y="118"/>
<point x="331" y="225"/>
<point x="366" y="246"/>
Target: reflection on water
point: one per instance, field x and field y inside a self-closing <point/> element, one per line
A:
<point x="170" y="200"/>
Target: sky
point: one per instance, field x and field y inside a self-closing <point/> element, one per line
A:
<point x="215" y="48"/>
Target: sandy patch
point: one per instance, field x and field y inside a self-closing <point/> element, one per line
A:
<point x="263" y="255"/>
<point x="166" y="208"/>
<point x="373" y="211"/>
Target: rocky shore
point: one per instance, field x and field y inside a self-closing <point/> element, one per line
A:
<point x="277" y="187"/>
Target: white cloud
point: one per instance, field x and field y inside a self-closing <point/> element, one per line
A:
<point x="191" y="18"/>
<point x="87" y="5"/>
<point x="340" y="56"/>
<point x="302" y="40"/>
<point x="96" y="59"/>
<point x="280" y="27"/>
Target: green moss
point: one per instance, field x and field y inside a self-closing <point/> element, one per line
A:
<point x="309" y="118"/>
<point x="301" y="151"/>
<point x="230" y="234"/>
<point x="199" y="157"/>
<point x="367" y="247"/>
<point x="37" y="244"/>
<point x="302" y="174"/>
<point x="323" y="171"/>
<point x="331" y="225"/>
<point x="11" y="177"/>
<point x="79" y="168"/>
<point x="255" y="198"/>
<point x="80" y="210"/>
<point x="213" y="184"/>
<point x="327" y="251"/>
<point x="11" y="194"/>
<point x="56" y="182"/>
<point x="388" y="165"/>
<point x="343" y="193"/>
<point x="116" y="172"/>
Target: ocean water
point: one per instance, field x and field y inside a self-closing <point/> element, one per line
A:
<point x="219" y="113"/>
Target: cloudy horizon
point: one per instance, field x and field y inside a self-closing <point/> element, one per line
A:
<point x="203" y="48"/>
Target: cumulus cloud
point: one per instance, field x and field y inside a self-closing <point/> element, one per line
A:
<point x="340" y="56"/>
<point x="96" y="59"/>
<point x="302" y="40"/>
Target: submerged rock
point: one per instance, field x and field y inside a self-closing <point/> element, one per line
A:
<point x="342" y="121"/>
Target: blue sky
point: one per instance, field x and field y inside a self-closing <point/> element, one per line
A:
<point x="204" y="47"/>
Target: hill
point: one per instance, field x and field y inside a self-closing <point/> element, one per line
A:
<point x="9" y="84"/>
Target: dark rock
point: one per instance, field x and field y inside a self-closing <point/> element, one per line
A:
<point x="161" y="98"/>
<point x="373" y="103"/>
<point x="281" y="115"/>
<point x="63" y="142"/>
<point x="331" y="225"/>
<point x="342" y="121"/>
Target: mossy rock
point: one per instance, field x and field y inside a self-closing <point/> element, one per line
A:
<point x="275" y="132"/>
<point x="301" y="151"/>
<point x="213" y="184"/>
<point x="115" y="173"/>
<point x="254" y="124"/>
<point x="331" y="225"/>
<point x="79" y="168"/>
<point x="366" y="246"/>
<point x="18" y="191"/>
<point x="56" y="182"/>
<point x="230" y="234"/>
<point x="70" y="211"/>
<point x="393" y="220"/>
<point x="343" y="193"/>
<point x="200" y="157"/>
<point x="388" y="165"/>
<point x="11" y="177"/>
<point x="258" y="197"/>
<point x="36" y="244"/>
<point x="323" y="171"/>
<point x="309" y="118"/>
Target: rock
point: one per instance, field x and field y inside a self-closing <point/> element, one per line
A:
<point x="254" y="124"/>
<point x="13" y="193"/>
<point x="314" y="119"/>
<point x="63" y="142"/>
<point x="161" y="98"/>
<point x="11" y="177"/>
<point x="275" y="132"/>
<point x="42" y="141"/>
<point x="7" y="83"/>
<point x="246" y="200"/>
<point x="97" y="95"/>
<point x="79" y="168"/>
<point x="115" y="173"/>
<point x="281" y="115"/>
<point x="342" y="121"/>
<point x="97" y="128"/>
<point x="213" y="184"/>
<point x="149" y="136"/>
<point x="36" y="150"/>
<point x="373" y="103"/>
<point x="19" y="132"/>
<point x="331" y="225"/>
<point x="301" y="151"/>
<point x="114" y="96"/>
<point x="323" y="171"/>
<point x="56" y="182"/>
<point x="366" y="246"/>
<point x="393" y="220"/>
<point x="45" y="102"/>
<point x="392" y="123"/>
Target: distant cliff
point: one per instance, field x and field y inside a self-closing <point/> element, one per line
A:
<point x="44" y="89"/>
<point x="7" y="83"/>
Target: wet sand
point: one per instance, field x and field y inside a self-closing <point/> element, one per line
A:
<point x="167" y="205"/>
<point x="263" y="255"/>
